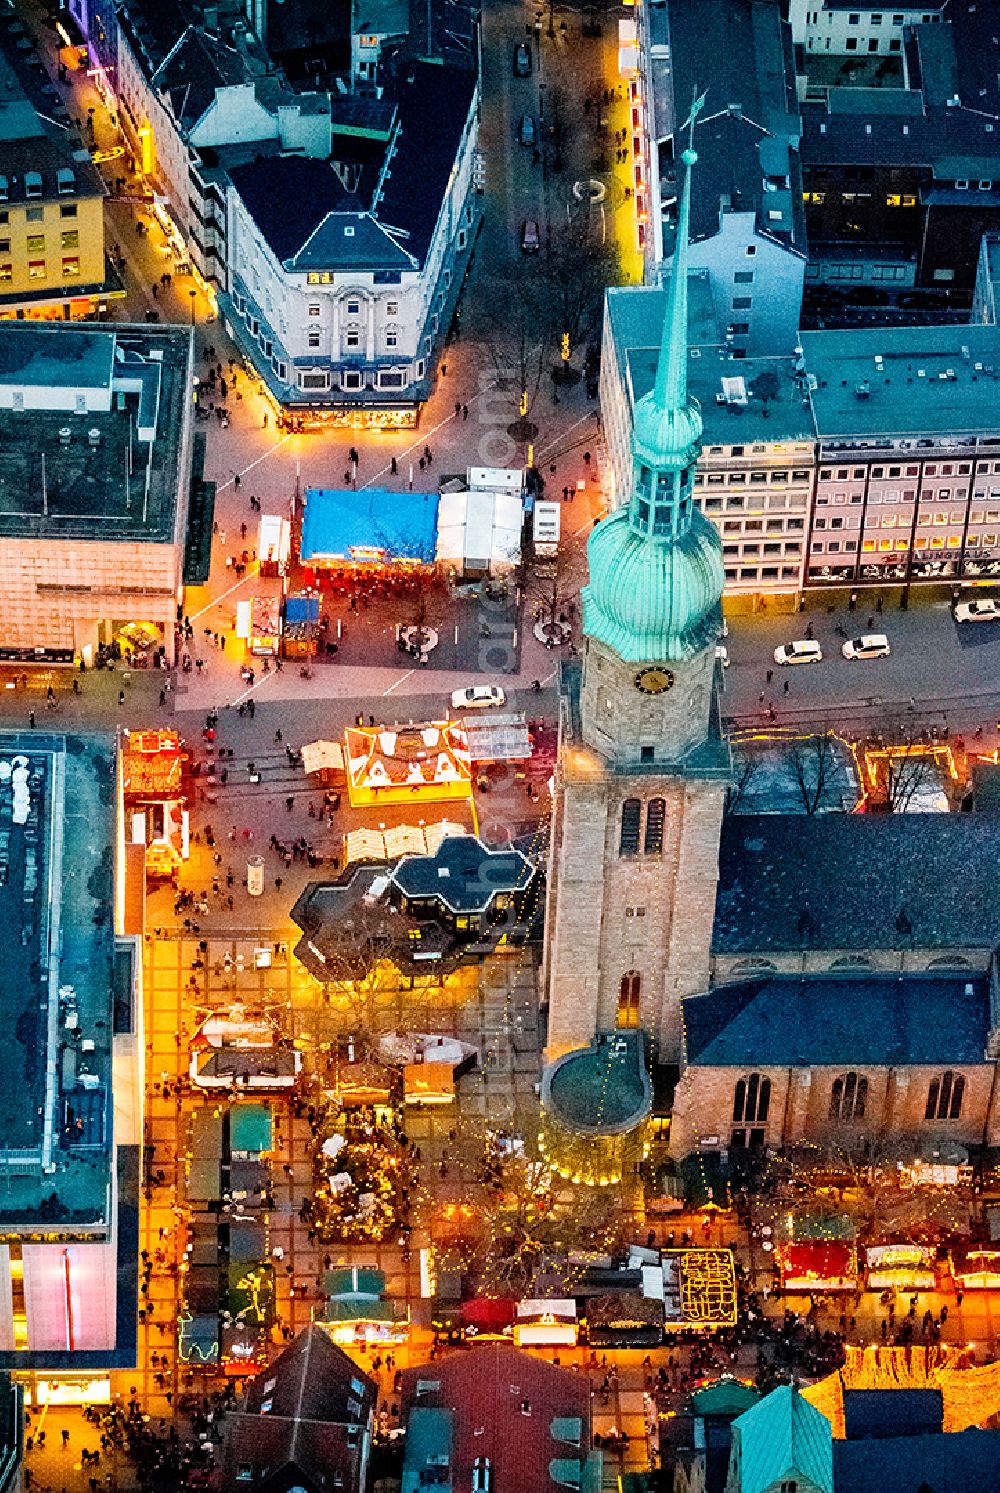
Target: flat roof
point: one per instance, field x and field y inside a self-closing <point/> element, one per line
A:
<point x="80" y="491"/>
<point x="57" y="828"/>
<point x="929" y="380"/>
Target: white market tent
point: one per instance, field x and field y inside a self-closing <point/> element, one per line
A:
<point x="479" y="531"/>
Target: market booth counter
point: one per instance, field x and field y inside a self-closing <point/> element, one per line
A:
<point x="545" y="1324"/>
<point x="900" y="1267"/>
<point x="975" y="1267"/>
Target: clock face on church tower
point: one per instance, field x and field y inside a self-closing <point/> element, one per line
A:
<point x="654" y="681"/>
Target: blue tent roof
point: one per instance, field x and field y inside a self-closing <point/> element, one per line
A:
<point x="396" y="525"/>
<point x="302" y="609"/>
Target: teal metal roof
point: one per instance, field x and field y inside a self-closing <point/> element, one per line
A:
<point x="653" y="599"/>
<point x="784" y="1437"/>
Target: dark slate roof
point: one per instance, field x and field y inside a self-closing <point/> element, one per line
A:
<point x="856" y="1018"/>
<point x="434" y="104"/>
<point x="959" y="56"/>
<point x="192" y="72"/>
<point x="294" y="1429"/>
<point x="345" y="239"/>
<point x="312" y="1379"/>
<point x="462" y="873"/>
<point x="964" y="1460"/>
<point x="739" y="53"/>
<point x="857" y="881"/>
<point x="288" y="198"/>
<point x="892" y="1412"/>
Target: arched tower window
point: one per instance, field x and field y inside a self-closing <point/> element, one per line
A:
<point x="945" y="1096"/>
<point x="629" y="994"/>
<point x="628" y="843"/>
<point x="656" y="813"/>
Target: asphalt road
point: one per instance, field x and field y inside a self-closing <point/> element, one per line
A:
<point x="939" y="671"/>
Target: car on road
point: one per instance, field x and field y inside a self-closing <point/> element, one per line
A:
<point x="982" y="609"/>
<point x="804" y="651"/>
<point x="522" y="61"/>
<point x="871" y="645"/>
<point x="528" y="133"/>
<point x="530" y="242"/>
<point x="478" y="697"/>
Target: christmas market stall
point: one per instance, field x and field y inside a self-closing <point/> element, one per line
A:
<point x="344" y="530"/>
<point x="357" y="1310"/>
<point x="489" y="1317"/>
<point x="697" y="1287"/>
<point x="624" y="1319"/>
<point x="975" y="1267"/>
<point x="300" y="626"/>
<point x="818" y="1265"/>
<point x="404" y="764"/>
<point x="545" y="1324"/>
<point x="900" y="1267"/>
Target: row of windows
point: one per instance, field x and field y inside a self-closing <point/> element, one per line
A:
<point x="754" y="574"/>
<point x="35" y="242"/>
<point x="37" y="214"/>
<point x="757" y="526"/>
<point x="752" y="551"/>
<point x="848" y="1096"/>
<point x="38" y="269"/>
<point x="931" y="469"/>
<point x="891" y="521"/>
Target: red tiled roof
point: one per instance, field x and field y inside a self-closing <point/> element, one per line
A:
<point x="488" y="1388"/>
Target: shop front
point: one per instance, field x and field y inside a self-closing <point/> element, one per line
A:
<point x="900" y="1267"/>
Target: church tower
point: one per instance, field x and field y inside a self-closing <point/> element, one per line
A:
<point x="642" y="767"/>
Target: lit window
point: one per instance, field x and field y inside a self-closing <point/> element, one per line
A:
<point x="36" y="243"/>
<point x="36" y="269"/>
<point x="71" y="267"/>
<point x="6" y="273"/>
<point x="71" y="239"/>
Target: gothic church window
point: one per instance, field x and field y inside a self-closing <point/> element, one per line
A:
<point x="751" y="1100"/>
<point x="944" y="1097"/>
<point x="848" y="1097"/>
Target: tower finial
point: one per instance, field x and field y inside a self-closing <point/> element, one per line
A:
<point x="671" y="372"/>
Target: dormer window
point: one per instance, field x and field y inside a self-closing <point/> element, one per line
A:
<point x="32" y="184"/>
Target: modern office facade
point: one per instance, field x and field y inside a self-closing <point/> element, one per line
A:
<point x="71" y="993"/>
<point x="95" y="477"/>
<point x="868" y="457"/>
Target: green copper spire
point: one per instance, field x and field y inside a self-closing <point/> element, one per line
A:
<point x="656" y="573"/>
<point x="671" y="373"/>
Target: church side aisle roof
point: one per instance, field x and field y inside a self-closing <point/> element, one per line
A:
<point x="857" y="881"/>
<point x="864" y="1017"/>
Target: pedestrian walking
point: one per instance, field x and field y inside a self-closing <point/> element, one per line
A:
<point x="786" y="687"/>
<point x="770" y="675"/>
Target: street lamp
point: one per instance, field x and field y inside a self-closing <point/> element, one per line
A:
<point x="192" y="293"/>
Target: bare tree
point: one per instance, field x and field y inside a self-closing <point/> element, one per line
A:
<point x="516" y="340"/>
<point x="366" y="993"/>
<point x="812" y="761"/>
<point x="508" y="1217"/>
<point x="578" y="269"/>
<point x="746" y="766"/>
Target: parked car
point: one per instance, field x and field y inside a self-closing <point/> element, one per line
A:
<point x="871" y="645"/>
<point x="478" y="697"/>
<point x="722" y="655"/>
<point x="982" y="609"/>
<point x="530" y="242"/>
<point x="804" y="651"/>
<point x="522" y="61"/>
<point x="528" y="134"/>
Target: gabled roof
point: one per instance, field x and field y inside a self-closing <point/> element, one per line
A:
<point x="289" y="197"/>
<point x="864" y="1018"/>
<point x="905" y="1464"/>
<point x="783" y="1436"/>
<point x="351" y="240"/>
<point x="305" y="1414"/>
